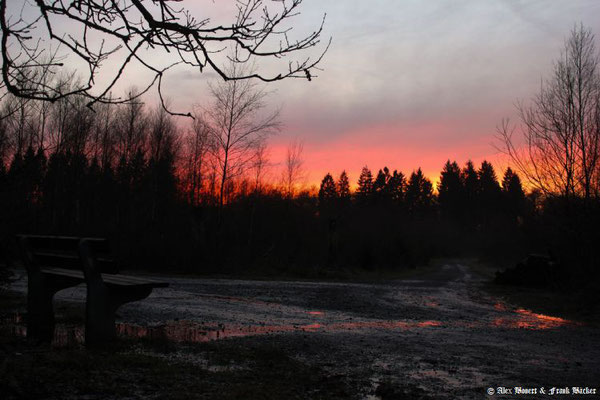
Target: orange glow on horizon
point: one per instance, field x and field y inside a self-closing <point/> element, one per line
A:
<point x="404" y="149"/>
<point x="317" y="165"/>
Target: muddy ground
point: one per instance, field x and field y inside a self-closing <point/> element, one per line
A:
<point x="440" y="335"/>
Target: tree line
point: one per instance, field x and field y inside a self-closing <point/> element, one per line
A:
<point x="195" y="198"/>
<point x="162" y="193"/>
<point x="466" y="194"/>
<point x="400" y="220"/>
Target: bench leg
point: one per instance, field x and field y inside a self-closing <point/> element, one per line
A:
<point x="40" y="313"/>
<point x="40" y="309"/>
<point x="101" y="306"/>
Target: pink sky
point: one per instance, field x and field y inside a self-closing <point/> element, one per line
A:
<point x="411" y="84"/>
<point x="405" y="84"/>
<point x="375" y="147"/>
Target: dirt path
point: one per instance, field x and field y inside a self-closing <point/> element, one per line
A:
<point x="440" y="336"/>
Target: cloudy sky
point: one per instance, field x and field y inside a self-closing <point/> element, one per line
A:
<point x="406" y="83"/>
<point x="409" y="83"/>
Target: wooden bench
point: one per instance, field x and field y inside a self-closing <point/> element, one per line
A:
<point x="54" y="263"/>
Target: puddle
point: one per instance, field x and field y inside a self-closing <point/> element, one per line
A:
<point x="526" y="319"/>
<point x="193" y="332"/>
<point x="185" y="331"/>
<point x="64" y="334"/>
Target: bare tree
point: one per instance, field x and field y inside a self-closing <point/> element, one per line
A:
<point x="102" y="146"/>
<point x="130" y="126"/>
<point x="260" y="165"/>
<point x="70" y="121"/>
<point x="196" y="148"/>
<point x="93" y="33"/>
<point x="557" y="145"/>
<point x="5" y="142"/>
<point x="162" y="135"/>
<point x="162" y="147"/>
<point x="19" y="131"/>
<point x="293" y="172"/>
<point x="237" y="125"/>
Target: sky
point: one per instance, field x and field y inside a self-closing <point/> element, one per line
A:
<point x="405" y="83"/>
<point x="409" y="84"/>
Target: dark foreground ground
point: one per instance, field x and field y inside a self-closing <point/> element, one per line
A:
<point x="443" y="334"/>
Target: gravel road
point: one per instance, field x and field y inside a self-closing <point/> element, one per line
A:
<point x="441" y="336"/>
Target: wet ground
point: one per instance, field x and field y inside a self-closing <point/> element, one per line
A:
<point x="440" y="335"/>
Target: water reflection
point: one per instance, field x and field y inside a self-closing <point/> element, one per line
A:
<point x="193" y="332"/>
<point x="526" y="319"/>
<point x="187" y="331"/>
<point x="64" y="334"/>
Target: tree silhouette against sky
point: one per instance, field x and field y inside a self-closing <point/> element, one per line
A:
<point x="43" y="38"/>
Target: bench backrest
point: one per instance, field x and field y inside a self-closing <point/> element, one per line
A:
<point x="63" y="252"/>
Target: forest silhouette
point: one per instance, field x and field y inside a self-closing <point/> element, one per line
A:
<point x="125" y="174"/>
<point x="196" y="200"/>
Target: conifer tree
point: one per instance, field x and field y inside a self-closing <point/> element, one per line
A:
<point x="92" y="195"/>
<point x="365" y="184"/>
<point x="489" y="193"/>
<point x="397" y="186"/>
<point x="327" y="191"/>
<point x="419" y="193"/>
<point x="381" y="184"/>
<point x="513" y="192"/>
<point x="16" y="193"/>
<point x="16" y="166"/>
<point x="470" y="181"/>
<point x="450" y="190"/>
<point x="77" y="165"/>
<point x="343" y="187"/>
<point x="511" y="183"/>
<point x="488" y="182"/>
<point x="31" y="176"/>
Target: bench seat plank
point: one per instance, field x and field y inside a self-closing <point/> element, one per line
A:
<point x="123" y="280"/>
<point x="71" y="273"/>
<point x="113" y="279"/>
<point x="66" y="256"/>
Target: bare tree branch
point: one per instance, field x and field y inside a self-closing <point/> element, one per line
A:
<point x="236" y="125"/>
<point x="556" y="146"/>
<point x="103" y="30"/>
